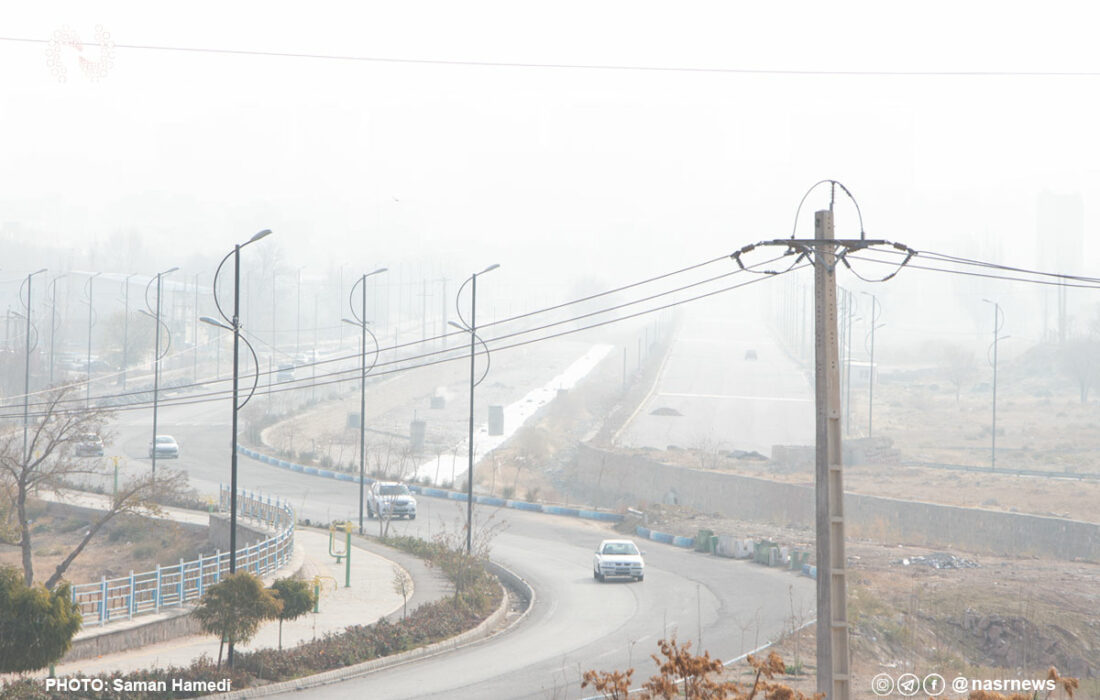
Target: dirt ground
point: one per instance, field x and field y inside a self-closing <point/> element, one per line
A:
<point x="1000" y="618"/>
<point x="127" y="543"/>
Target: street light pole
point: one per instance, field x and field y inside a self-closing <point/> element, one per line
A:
<point x="298" y="320"/>
<point x="361" y="321"/>
<point x="126" y="328"/>
<point x="91" y="313"/>
<point x="472" y="328"/>
<point x="998" y="323"/>
<point x="871" y="370"/>
<point x="53" y="319"/>
<point x="235" y="327"/>
<point x="156" y="361"/>
<point x="27" y="367"/>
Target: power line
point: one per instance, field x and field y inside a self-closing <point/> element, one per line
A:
<point x="458" y="355"/>
<point x="1058" y="280"/>
<point x="641" y="68"/>
<point x="343" y="358"/>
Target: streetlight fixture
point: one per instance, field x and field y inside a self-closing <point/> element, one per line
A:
<point x="361" y="321"/>
<point x="998" y="324"/>
<point x="53" y="318"/>
<point x="233" y="324"/>
<point x="472" y="329"/>
<point x="871" y="370"/>
<point x="91" y="321"/>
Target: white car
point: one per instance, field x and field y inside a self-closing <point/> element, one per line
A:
<point x="390" y="499"/>
<point x="166" y="446"/>
<point x="618" y="558"/>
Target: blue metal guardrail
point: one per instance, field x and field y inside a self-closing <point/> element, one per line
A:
<point x="149" y="592"/>
<point x="440" y="493"/>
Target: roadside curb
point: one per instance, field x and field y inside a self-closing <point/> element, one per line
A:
<point x="478" y="633"/>
<point x="584" y="513"/>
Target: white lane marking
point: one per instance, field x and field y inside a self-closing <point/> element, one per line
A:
<point x="734" y="396"/>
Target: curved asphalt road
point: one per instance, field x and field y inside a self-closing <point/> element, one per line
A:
<point x="576" y="624"/>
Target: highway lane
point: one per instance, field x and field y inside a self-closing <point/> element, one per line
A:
<point x="722" y="399"/>
<point x="580" y="623"/>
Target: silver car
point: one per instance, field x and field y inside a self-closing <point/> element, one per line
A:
<point x="390" y="499"/>
<point x="618" y="558"/>
<point x="166" y="446"/>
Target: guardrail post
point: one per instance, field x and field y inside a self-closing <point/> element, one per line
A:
<point x="156" y="598"/>
<point x="133" y="595"/>
<point x="103" y="611"/>
<point x="182" y="586"/>
<point x="200" y="585"/>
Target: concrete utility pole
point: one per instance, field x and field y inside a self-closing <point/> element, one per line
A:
<point x="832" y="589"/>
<point x="833" y="656"/>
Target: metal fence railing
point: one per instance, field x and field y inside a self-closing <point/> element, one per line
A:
<point x="174" y="585"/>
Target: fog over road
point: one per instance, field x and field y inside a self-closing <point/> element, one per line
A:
<point x="721" y="398"/>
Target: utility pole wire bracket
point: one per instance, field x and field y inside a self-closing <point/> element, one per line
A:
<point x="809" y="248"/>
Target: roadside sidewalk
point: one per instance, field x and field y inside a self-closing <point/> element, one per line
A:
<point x="369" y="597"/>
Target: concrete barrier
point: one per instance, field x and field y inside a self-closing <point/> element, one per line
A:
<point x="587" y="513"/>
<point x="616" y="480"/>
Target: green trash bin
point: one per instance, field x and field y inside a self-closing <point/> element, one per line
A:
<point x="702" y="540"/>
<point x="714" y="544"/>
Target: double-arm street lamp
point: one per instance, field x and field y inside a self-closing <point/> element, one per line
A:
<point x="471" y="327"/>
<point x="27" y="364"/>
<point x="361" y="321"/>
<point x="232" y="323"/>
<point x="157" y="354"/>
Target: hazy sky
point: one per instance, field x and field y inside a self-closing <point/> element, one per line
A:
<point x="551" y="171"/>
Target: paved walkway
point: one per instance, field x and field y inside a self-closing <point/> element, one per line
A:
<point x="370" y="596"/>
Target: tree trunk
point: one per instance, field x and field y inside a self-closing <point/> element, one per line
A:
<point x="280" y="634"/>
<point x="25" y="535"/>
<point x="64" y="565"/>
<point x="221" y="645"/>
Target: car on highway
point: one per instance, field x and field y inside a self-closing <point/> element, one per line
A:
<point x="88" y="445"/>
<point x="166" y="446"/>
<point x="618" y="559"/>
<point x="390" y="499"/>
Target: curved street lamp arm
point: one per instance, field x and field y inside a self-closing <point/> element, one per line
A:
<point x="168" y="344"/>
<point x="458" y="297"/>
<point x="377" y="350"/>
<point x="217" y="276"/>
<point x="148" y="304"/>
<point x="256" y="374"/>
<point x="26" y="281"/>
<point x="488" y="360"/>
<point x="351" y="299"/>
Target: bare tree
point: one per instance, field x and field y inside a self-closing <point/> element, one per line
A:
<point x="1079" y="360"/>
<point x="959" y="366"/>
<point x="48" y="463"/>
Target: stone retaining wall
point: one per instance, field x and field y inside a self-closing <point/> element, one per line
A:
<point x="615" y="480"/>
